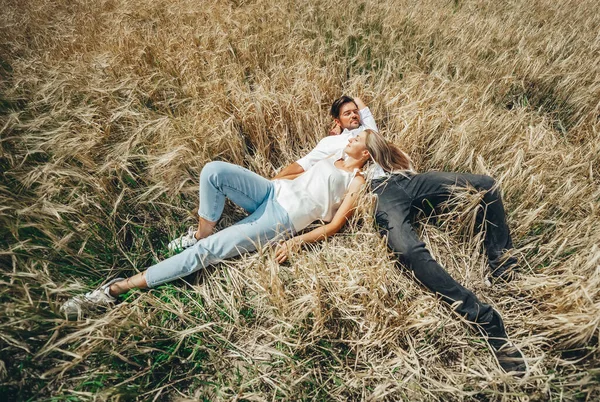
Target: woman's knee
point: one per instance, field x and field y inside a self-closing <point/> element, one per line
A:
<point x="212" y="171"/>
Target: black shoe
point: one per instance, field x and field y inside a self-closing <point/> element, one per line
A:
<point x="504" y="273"/>
<point x="503" y="267"/>
<point x="509" y="357"/>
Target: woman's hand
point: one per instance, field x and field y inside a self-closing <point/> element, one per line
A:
<point x="284" y="248"/>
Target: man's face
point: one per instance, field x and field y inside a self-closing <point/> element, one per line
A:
<point x="349" y="117"/>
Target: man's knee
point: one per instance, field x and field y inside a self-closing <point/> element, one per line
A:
<point x="485" y="182"/>
<point x="409" y="253"/>
<point x="412" y="253"/>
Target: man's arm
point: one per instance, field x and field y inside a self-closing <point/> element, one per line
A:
<point x="290" y="172"/>
<point x="359" y="103"/>
<point x="335" y="129"/>
<point x="303" y="164"/>
<point x="366" y="118"/>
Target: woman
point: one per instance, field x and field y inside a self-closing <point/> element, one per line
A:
<point x="278" y="209"/>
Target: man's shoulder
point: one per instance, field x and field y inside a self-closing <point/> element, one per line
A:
<point x="355" y="132"/>
<point x="343" y="136"/>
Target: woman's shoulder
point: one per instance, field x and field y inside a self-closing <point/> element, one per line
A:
<point x="358" y="178"/>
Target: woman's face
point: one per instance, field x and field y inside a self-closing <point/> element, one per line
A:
<point x="357" y="147"/>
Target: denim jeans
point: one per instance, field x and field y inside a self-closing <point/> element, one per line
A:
<point x="267" y="221"/>
<point x="400" y="198"/>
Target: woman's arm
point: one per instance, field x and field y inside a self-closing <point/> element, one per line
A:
<point x="339" y="219"/>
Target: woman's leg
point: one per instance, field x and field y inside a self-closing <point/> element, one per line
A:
<point x="138" y="281"/>
<point x="267" y="222"/>
<point x="220" y="180"/>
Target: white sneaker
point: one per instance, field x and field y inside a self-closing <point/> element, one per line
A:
<point x="91" y="301"/>
<point x="184" y="241"/>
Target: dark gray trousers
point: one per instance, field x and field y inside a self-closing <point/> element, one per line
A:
<point x="399" y="200"/>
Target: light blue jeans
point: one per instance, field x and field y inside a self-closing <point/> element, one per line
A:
<point x="267" y="221"/>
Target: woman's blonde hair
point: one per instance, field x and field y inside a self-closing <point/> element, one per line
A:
<point x="387" y="155"/>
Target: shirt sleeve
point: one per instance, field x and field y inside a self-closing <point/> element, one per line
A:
<point x="319" y="152"/>
<point x="367" y="120"/>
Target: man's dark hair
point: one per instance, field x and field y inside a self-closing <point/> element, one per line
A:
<point x="337" y="104"/>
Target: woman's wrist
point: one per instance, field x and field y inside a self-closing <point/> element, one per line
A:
<point x="295" y="243"/>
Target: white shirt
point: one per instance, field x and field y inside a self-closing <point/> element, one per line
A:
<point x="316" y="194"/>
<point x="333" y="144"/>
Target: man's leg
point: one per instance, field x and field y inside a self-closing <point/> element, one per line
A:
<point x="394" y="219"/>
<point x="433" y="188"/>
<point x="393" y="216"/>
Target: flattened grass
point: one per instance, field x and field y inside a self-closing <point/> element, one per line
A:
<point x="109" y="109"/>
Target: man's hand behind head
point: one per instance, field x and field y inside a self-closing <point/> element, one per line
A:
<point x="335" y="129"/>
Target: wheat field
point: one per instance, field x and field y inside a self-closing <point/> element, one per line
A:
<point x="110" y="108"/>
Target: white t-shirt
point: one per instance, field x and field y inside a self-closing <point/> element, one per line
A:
<point x="333" y="144"/>
<point x="316" y="194"/>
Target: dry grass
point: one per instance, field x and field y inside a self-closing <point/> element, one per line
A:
<point x="110" y="108"/>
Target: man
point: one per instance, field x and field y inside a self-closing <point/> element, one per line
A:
<point x="400" y="197"/>
<point x="351" y="117"/>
